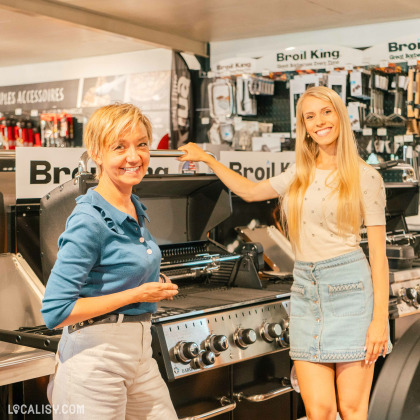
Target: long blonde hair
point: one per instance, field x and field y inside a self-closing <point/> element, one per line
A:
<point x="346" y="180"/>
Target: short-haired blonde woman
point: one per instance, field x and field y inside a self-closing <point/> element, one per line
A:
<point x="339" y="304"/>
<point x="105" y="282"/>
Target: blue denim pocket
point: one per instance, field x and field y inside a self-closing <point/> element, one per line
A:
<point x="347" y="299"/>
<point x="298" y="301"/>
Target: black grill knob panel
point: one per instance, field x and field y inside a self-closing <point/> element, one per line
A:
<point x="411" y="293"/>
<point x="245" y="337"/>
<point x="185" y="351"/>
<point x="216" y="343"/>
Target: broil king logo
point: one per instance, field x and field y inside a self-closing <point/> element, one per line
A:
<point x="404" y="50"/>
<point x="308" y="55"/>
<point x="395" y="46"/>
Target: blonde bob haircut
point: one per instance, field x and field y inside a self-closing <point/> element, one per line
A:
<point x="108" y="124"/>
<point x="345" y="181"/>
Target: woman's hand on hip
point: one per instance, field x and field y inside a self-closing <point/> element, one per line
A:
<point x="154" y="292"/>
<point x="376" y="340"/>
<point x="193" y="153"/>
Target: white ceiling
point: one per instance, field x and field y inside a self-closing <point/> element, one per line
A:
<point x="27" y="39"/>
<point x="222" y="20"/>
<point x="51" y="30"/>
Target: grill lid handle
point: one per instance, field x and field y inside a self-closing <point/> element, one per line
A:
<point x="227" y="405"/>
<point x="264" y="397"/>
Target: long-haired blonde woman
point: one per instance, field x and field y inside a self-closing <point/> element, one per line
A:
<point x="339" y="303"/>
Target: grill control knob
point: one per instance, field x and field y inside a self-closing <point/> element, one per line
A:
<point x="185" y="351"/>
<point x="411" y="293"/>
<point x="204" y="358"/>
<point x="269" y="332"/>
<point x="284" y="323"/>
<point x="283" y="340"/>
<point x="244" y="337"/>
<point x="216" y="343"/>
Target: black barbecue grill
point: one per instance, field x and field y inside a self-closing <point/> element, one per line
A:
<point x="221" y="317"/>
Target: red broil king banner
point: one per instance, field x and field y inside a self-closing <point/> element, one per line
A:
<point x="181" y="102"/>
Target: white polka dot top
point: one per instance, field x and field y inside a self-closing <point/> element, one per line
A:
<point x="319" y="238"/>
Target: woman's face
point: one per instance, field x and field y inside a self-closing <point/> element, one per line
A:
<point x="321" y="121"/>
<point x="125" y="162"/>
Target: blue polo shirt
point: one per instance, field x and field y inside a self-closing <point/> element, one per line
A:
<point x="102" y="251"/>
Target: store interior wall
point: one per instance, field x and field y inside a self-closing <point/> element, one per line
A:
<point x="158" y="59"/>
<point x="353" y="36"/>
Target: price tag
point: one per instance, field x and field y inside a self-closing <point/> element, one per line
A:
<point x="381" y="132"/>
<point x="398" y="139"/>
<point x="34" y="112"/>
<point x="205" y="120"/>
<point x="367" y="132"/>
<point x="18" y="111"/>
<point x="408" y="138"/>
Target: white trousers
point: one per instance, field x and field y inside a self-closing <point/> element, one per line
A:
<point x="106" y="372"/>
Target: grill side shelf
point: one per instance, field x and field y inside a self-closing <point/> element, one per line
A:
<point x="38" y="341"/>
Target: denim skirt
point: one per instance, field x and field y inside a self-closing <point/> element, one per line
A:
<point x="331" y="309"/>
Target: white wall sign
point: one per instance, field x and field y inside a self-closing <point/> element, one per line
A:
<point x="399" y="50"/>
<point x="62" y="94"/>
<point x="309" y="57"/>
<point x="257" y="166"/>
<point x="236" y="65"/>
<point x="40" y="170"/>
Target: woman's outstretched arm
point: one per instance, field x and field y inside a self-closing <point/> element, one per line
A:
<point x="241" y="186"/>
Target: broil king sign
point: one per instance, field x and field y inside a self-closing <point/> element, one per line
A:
<point x="309" y="57"/>
<point x="399" y="50"/>
<point x="181" y="102"/>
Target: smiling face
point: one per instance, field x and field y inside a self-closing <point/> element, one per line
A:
<point x="124" y="163"/>
<point x="321" y="121"/>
